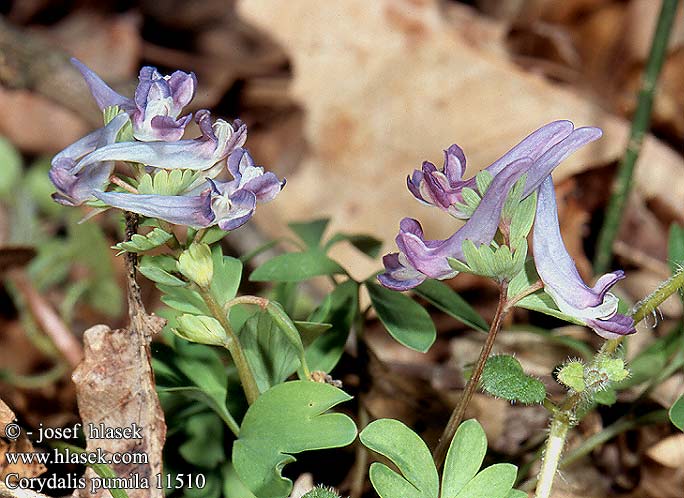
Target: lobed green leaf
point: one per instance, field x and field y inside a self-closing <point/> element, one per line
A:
<point x="504" y="377"/>
<point x="287" y="419"/>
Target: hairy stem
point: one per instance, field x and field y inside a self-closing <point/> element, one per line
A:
<point x="647" y="305"/>
<point x="551" y="456"/>
<point x="459" y="412"/>
<point x="640" y="124"/>
<point x="249" y="384"/>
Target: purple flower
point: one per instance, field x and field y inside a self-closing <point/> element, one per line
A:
<point x="419" y="259"/>
<point x="227" y="204"/>
<point x="546" y="147"/>
<point x="594" y="306"/>
<point x="157" y="105"/>
<point x="217" y="142"/>
<point x="75" y="187"/>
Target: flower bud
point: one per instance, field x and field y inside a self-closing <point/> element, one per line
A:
<point x="201" y="329"/>
<point x="196" y="265"/>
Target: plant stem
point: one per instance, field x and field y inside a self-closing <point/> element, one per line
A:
<point x="656" y="298"/>
<point x="551" y="457"/>
<point x="648" y="305"/>
<point x="459" y="412"/>
<point x="640" y="124"/>
<point x="247" y="379"/>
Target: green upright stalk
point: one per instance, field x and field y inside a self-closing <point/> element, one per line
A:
<point x="551" y="458"/>
<point x="233" y="346"/>
<point x="640" y="124"/>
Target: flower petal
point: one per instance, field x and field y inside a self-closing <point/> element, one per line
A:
<point x="616" y="326"/>
<point x="240" y="209"/>
<point x="554" y="265"/>
<point x="198" y="154"/>
<point x="548" y="161"/>
<point x="74" y="188"/>
<point x="104" y="96"/>
<point x="397" y="276"/>
<point x="192" y="211"/>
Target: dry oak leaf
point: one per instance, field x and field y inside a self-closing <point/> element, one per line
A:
<point x="389" y="83"/>
<point x="115" y="389"/>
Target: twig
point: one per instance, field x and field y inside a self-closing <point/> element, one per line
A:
<point x="640" y="124"/>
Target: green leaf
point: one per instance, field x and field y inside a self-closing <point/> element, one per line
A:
<point x="288" y="419"/>
<point x="204" y="444"/>
<point x="675" y="251"/>
<point x="446" y="299"/>
<point x="295" y="267"/>
<point x="268" y="350"/>
<point x="470" y="197"/>
<point x="10" y="167"/>
<point x="183" y="299"/>
<point x="523" y="217"/>
<point x="196" y="372"/>
<point x="483" y="179"/>
<point x="227" y="276"/>
<point x="321" y="492"/>
<point x="159" y="268"/>
<point x="165" y="182"/>
<point x="367" y="244"/>
<point x="464" y="458"/>
<point x="677" y="413"/>
<point x="141" y="243"/>
<point x="675" y="247"/>
<point x="409" y="453"/>
<point x="212" y="235"/>
<point x="496" y="481"/>
<point x="338" y="309"/>
<point x="232" y="485"/>
<point x="310" y="232"/>
<point x="606" y="397"/>
<point x="404" y="319"/>
<point x="514" y="493"/>
<point x="504" y="377"/>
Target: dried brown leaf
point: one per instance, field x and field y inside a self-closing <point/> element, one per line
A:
<point x="388" y="84"/>
<point x="115" y="388"/>
<point x="669" y="452"/>
<point x="21" y="445"/>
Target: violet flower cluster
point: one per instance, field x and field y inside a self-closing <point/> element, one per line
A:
<point x="534" y="158"/>
<point x="147" y="132"/>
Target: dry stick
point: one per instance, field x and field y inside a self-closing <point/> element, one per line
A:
<point x="48" y="319"/>
<point x="458" y="414"/>
<point x="640" y="123"/>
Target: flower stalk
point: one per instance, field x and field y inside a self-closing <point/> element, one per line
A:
<point x="233" y="346"/>
<point x="552" y="453"/>
<point x="459" y="412"/>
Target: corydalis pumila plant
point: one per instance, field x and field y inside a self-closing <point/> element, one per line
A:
<point x="499" y="208"/>
<point x="535" y="157"/>
<point x="171" y="179"/>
